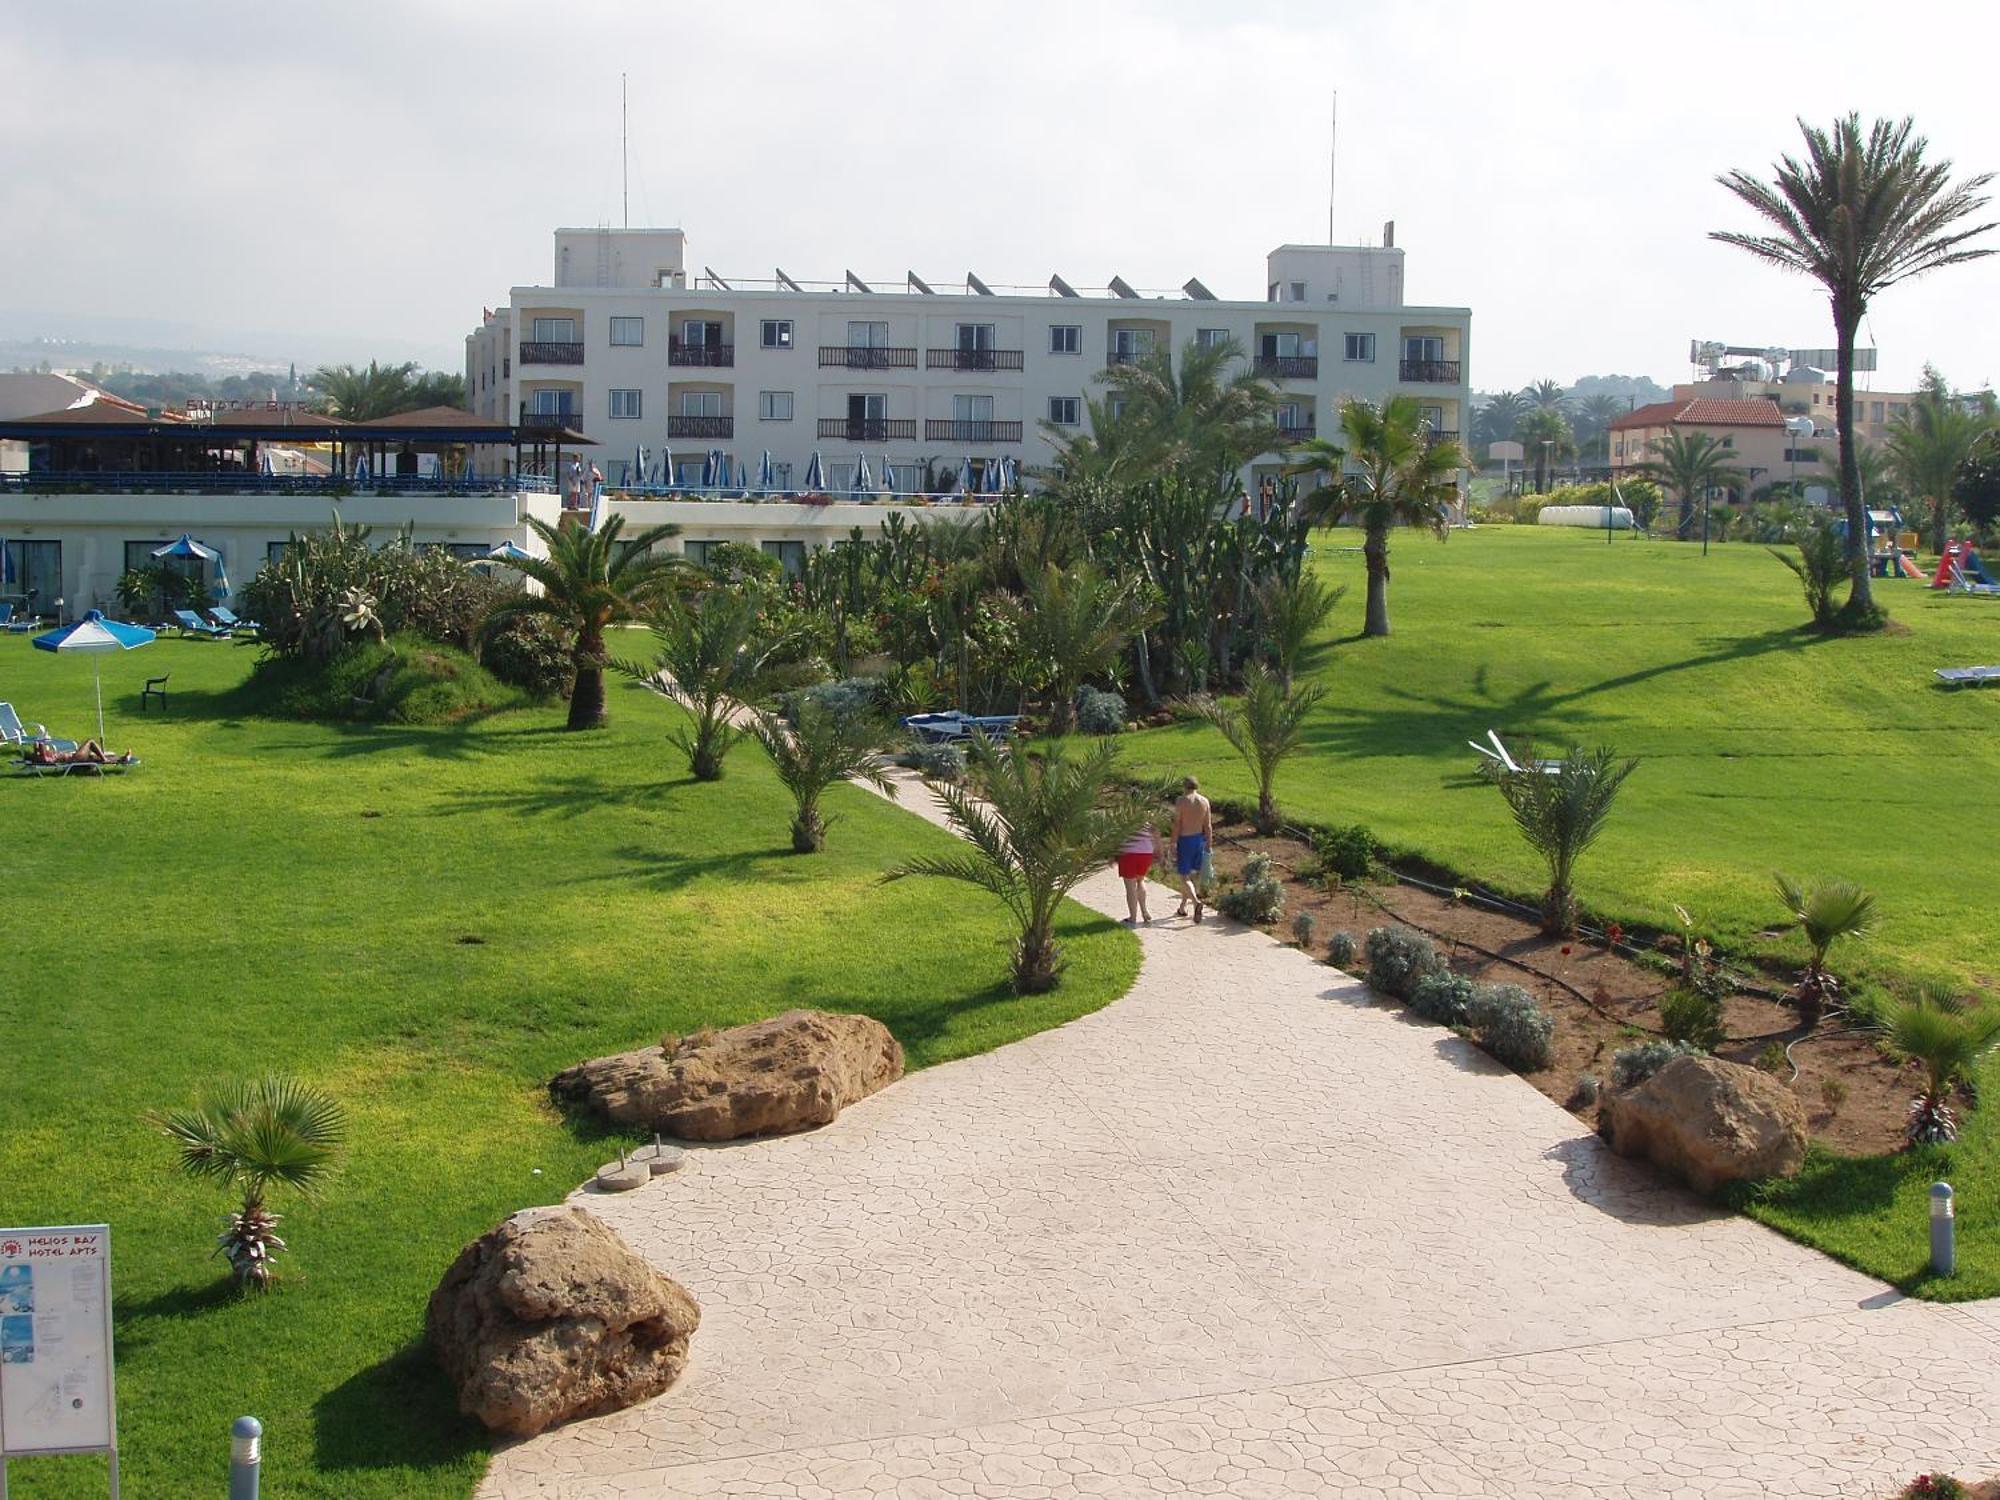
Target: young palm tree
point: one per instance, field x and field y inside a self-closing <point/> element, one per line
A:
<point x="818" y="749"/>
<point x="1038" y="827"/>
<point x="1545" y="435"/>
<point x="1821" y="565"/>
<point x="716" y="656"/>
<point x="1938" y="1031"/>
<point x="1403" y="479"/>
<point x="1858" y="213"/>
<point x="358" y="395"/>
<point x="1289" y="614"/>
<point x="1266" y="727"/>
<point x="590" y="581"/>
<point x="252" y="1137"/>
<point x="1689" y="464"/>
<point x="1825" y="915"/>
<point x="1074" y="624"/>
<point x="1928" y="442"/>
<point x="1560" y="813"/>
<point x="1199" y="415"/>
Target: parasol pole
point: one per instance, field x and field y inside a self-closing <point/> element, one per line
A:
<point x="100" y="701"/>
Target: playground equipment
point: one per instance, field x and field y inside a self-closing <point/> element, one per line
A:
<point x="1961" y="571"/>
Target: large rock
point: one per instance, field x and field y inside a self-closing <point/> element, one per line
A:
<point x="792" y="1072"/>
<point x="1709" y="1122"/>
<point x="552" y="1316"/>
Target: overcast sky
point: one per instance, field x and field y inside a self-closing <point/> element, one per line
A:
<point x="383" y="170"/>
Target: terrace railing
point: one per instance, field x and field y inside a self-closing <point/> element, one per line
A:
<point x="1436" y="371"/>
<point x="950" y="431"/>
<point x="1288" y="366"/>
<point x="845" y="356"/>
<point x="700" y="427"/>
<point x="198" y="482"/>
<point x="972" y="359"/>
<point x="549" y="352"/>
<point x="706" y="355"/>
<point x="868" y="429"/>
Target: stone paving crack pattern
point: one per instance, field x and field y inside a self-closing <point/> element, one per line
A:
<point x="1247" y="1233"/>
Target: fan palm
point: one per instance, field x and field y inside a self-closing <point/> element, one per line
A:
<point x="1825" y="914"/>
<point x="1946" y="1038"/>
<point x="1074" y="624"/>
<point x="1689" y="464"/>
<point x="818" y="749"/>
<point x="1928" y="442"/>
<point x="1401" y="478"/>
<point x="1266" y="727"/>
<point x="590" y="581"/>
<point x="1289" y="613"/>
<point x="1037" y="828"/>
<point x="1545" y="436"/>
<point x="1859" y="212"/>
<point x="716" y="655"/>
<point x="251" y="1138"/>
<point x="1560" y="813"/>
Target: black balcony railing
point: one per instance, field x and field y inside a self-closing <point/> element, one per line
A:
<point x="1126" y="356"/>
<point x="1433" y="371"/>
<point x="1288" y="366"/>
<point x="706" y="355"/>
<point x="551" y="352"/>
<point x="564" y="418"/>
<point x="1298" y="429"/>
<point x="938" y="430"/>
<point x="1438" y="435"/>
<point x="843" y="356"/>
<point x="700" y="427"/>
<point x="972" y="359"/>
<point x="869" y="429"/>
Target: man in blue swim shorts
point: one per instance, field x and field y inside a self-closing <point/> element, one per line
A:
<point x="1194" y="824"/>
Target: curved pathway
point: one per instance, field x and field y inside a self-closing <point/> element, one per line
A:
<point x="1246" y="1233"/>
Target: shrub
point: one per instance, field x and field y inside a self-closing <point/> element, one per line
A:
<point x="1512" y="1027"/>
<point x="1099" y="712"/>
<point x="1772" y="1059"/>
<point x="1340" y="949"/>
<point x="936" y="762"/>
<point x="1258" y="898"/>
<point x="1445" y="998"/>
<point x="1585" y="1093"/>
<point x="1632" y="1066"/>
<point x="1346" y="852"/>
<point x="1820" y="566"/>
<point x="1529" y="510"/>
<point x="1688" y="1015"/>
<point x="529" y="653"/>
<point x="1933" y="1487"/>
<point x="1398" y="959"/>
<point x="1304" y="925"/>
<point x="403" y="680"/>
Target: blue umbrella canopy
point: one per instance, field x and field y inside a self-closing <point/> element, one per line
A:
<point x="508" y="552"/>
<point x="711" y="469"/>
<point x="185" y="546"/>
<point x="766" y="479"/>
<point x="888" y="476"/>
<point x="95" y="636"/>
<point x="964" y="484"/>
<point x="815" y="474"/>
<point x="864" y="482"/>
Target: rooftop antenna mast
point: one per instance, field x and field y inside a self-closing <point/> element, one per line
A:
<point x="624" y="174"/>
<point x="1332" y="143"/>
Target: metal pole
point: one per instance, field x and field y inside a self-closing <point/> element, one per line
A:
<point x="246" y="1457"/>
<point x="1704" y="522"/>
<point x="1944" y="1231"/>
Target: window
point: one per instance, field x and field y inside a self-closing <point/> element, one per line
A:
<point x="547" y="403"/>
<point x="554" y="331"/>
<point x="1130" y="343"/>
<point x="867" y="335"/>
<point x="506" y="365"/>
<point x="1115" y="407"/>
<point x="867" y="406"/>
<point x="1278" y="346"/>
<point x="1360" y="348"/>
<point x="274" y="552"/>
<point x="628" y="333"/>
<point x="975" y="338"/>
<point x="774" y="406"/>
<point x="1875" y="411"/>
<point x="1423" y="349"/>
<point x="140" y="555"/>
<point x="624" y="403"/>
<point x="1208" y="338"/>
<point x="701" y="403"/>
<point x="972" y="409"/>
<point x="775" y="333"/>
<point x="1298" y="291"/>
<point x="1065" y="338"/>
<point x="697" y="552"/>
<point x="33" y="573"/>
<point x="1291" y="416"/>
<point x="1431" y="418"/>
<point x="698" y="333"/>
<point x="1065" y="411"/>
<point x="1729" y="440"/>
<point x="781" y="476"/>
<point x="790" y="555"/>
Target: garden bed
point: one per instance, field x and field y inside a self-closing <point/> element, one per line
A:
<point x="1856" y="1099"/>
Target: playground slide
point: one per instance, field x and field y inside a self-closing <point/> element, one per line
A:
<point x="1975" y="570"/>
<point x="1910" y="568"/>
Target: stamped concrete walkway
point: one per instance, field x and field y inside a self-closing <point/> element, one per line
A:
<point x="1246" y="1233"/>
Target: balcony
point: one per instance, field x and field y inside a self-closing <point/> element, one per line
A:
<point x="1429" y="371"/>
<point x="706" y="356"/>
<point x="938" y="430"/>
<point x="563" y="419"/>
<point x="972" y="359"/>
<point x="1288" y="366"/>
<point x="700" y="427"/>
<point x="1298" y="430"/>
<point x="548" y="352"/>
<point x="1438" y="435"/>
<point x="1126" y="356"/>
<point x="848" y="357"/>
<point x="869" y="429"/>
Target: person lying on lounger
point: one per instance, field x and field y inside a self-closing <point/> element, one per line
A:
<point x="89" y="753"/>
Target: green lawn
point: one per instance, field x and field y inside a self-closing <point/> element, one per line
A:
<point x="1764" y="748"/>
<point x="265" y="895"/>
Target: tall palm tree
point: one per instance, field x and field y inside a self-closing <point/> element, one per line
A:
<point x="1266" y="728"/>
<point x="1825" y="915"/>
<point x="252" y="1137"/>
<point x="1928" y="442"/>
<point x="1858" y="213"/>
<point x="590" y="581"/>
<point x="1199" y="413"/>
<point x="818" y="749"/>
<point x="1074" y="624"/>
<point x="1547" y="395"/>
<point x="1689" y="464"/>
<point x="1038" y="826"/>
<point x="1594" y="416"/>
<point x="716" y="656"/>
<point x="1545" y="436"/>
<point x="1494" y="422"/>
<point x="359" y="395"/>
<point x="1402" y="478"/>
<point x="1560" y="813"/>
<point x="1289" y="613"/>
<point x="1946" y="1037"/>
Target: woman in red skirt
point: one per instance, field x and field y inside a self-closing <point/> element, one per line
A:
<point x="1135" y="864"/>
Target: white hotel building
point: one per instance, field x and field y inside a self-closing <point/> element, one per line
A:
<point x="630" y="346"/>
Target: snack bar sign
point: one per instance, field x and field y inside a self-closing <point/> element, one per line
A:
<point x="55" y="1341"/>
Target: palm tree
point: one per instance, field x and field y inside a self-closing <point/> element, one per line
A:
<point x="1494" y="422"/>
<point x="1944" y="1036"/>
<point x="1289" y="614"/>
<point x="1200" y="415"/>
<point x="1825" y="915"/>
<point x="1859" y="213"/>
<point x="1928" y="442"/>
<point x="1547" y="395"/>
<point x="1545" y="436"/>
<point x="1074" y="624"/>
<point x="590" y="581"/>
<point x="252" y="1137"/>
<point x="1403" y="479"/>
<point x="716" y="656"/>
<point x="1594" y="416"/>
<point x="1039" y="826"/>
<point x="359" y="395"/>
<point x="1560" y="812"/>
<point x="1689" y="464"/>
<point x="820" y="747"/>
<point x="1266" y="728"/>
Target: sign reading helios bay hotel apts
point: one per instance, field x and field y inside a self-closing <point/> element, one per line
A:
<point x="55" y="1341"/>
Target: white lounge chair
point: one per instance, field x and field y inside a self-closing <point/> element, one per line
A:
<point x="14" y="732"/>
<point x="1967" y="676"/>
<point x="1498" y="756"/>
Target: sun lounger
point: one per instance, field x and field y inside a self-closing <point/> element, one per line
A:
<point x="14" y="732"/>
<point x="1967" y="676"/>
<point x="1960" y="584"/>
<point x="229" y="620"/>
<point x="13" y="623"/>
<point x="193" y="624"/>
<point x="1498" y="756"/>
<point x="26" y="767"/>
<point x="945" y="727"/>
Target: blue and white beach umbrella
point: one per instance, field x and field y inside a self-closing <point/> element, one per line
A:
<point x="187" y="547"/>
<point x="767" y="479"/>
<point x="509" y="552"/>
<point x="816" y="475"/>
<point x="864" y="482"/>
<point x="666" y="466"/>
<point x="360" y="471"/>
<point x="96" y="636"/>
<point x="888" y="476"/>
<point x="963" y="484"/>
<point x="711" y="469"/>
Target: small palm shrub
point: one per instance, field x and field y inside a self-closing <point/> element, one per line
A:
<point x="1512" y="1027"/>
<point x="1820" y="566"/>
<point x="1689" y="1016"/>
<point x="1340" y="949"/>
<point x="1266" y="727"/>
<point x="1632" y="1066"/>
<point x="1944" y="1035"/>
<point x="1398" y="959"/>
<point x="1825" y="915"/>
<point x="1560" y="814"/>
<point x="1304" y="927"/>
<point x="1346" y="852"/>
<point x="820" y="748"/>
<point x="1099" y="712"/>
<point x="1444" y="998"/>
<point x="1259" y="898"/>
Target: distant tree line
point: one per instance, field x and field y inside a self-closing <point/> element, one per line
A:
<point x="358" y="393"/>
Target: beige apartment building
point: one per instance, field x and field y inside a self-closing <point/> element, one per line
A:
<point x="1762" y="442"/>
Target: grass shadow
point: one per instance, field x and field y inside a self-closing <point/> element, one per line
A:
<point x="135" y="1316"/>
<point x="560" y="797"/>
<point x="395" y="1414"/>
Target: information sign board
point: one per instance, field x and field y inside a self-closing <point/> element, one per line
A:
<point x="56" y="1391"/>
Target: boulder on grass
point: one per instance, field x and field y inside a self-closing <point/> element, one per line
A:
<point x="792" y="1072"/>
<point x="552" y="1316"/>
<point x="1709" y="1122"/>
